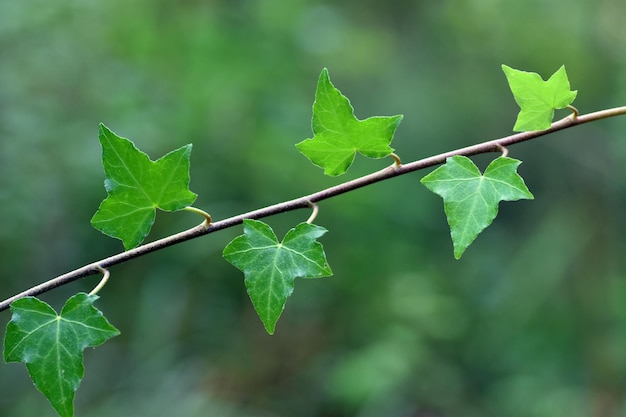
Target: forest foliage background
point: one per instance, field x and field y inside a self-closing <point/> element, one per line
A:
<point x="530" y="322"/>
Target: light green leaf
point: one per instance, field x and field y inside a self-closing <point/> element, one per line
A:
<point x="339" y="135"/>
<point x="52" y="345"/>
<point x="138" y="186"/>
<point x="270" y="266"/>
<point x="538" y="98"/>
<point x="471" y="198"/>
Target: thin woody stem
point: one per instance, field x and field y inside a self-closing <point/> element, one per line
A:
<point x="306" y="201"/>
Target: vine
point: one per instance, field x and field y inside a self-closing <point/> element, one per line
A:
<point x="51" y="345"/>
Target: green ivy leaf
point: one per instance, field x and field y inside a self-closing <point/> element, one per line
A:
<point x="471" y="199"/>
<point x="538" y="98"/>
<point x="52" y="345"/>
<point x="338" y="135"/>
<point x="270" y="266"/>
<point x="137" y="186"/>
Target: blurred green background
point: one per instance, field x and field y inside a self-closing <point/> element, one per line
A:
<point x="531" y="322"/>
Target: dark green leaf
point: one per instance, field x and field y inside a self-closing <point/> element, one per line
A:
<point x="339" y="135"/>
<point x="52" y="345"/>
<point x="270" y="266"/>
<point x="471" y="199"/>
<point x="138" y="186"/>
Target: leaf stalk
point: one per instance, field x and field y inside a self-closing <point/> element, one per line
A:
<point x="397" y="162"/>
<point x="105" y="278"/>
<point x="207" y="217"/>
<point x="504" y="150"/>
<point x="316" y="210"/>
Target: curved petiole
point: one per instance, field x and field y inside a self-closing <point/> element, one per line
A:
<point x="313" y="215"/>
<point x="105" y="277"/>
<point x="207" y="217"/>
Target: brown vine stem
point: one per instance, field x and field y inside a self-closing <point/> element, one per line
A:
<point x="306" y="201"/>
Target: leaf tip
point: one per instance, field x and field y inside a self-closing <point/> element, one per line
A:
<point x="270" y="328"/>
<point x="103" y="129"/>
<point x="395" y="121"/>
<point x="507" y="70"/>
<point x="324" y="77"/>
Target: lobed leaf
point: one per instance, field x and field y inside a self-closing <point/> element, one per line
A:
<point x="270" y="266"/>
<point x="538" y="98"/>
<point x="52" y="345"/>
<point x="339" y="135"/>
<point x="137" y="186"/>
<point x="471" y="198"/>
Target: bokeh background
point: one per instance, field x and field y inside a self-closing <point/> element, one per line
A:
<point x="531" y="322"/>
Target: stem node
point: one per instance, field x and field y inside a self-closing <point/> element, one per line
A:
<point x="503" y="149"/>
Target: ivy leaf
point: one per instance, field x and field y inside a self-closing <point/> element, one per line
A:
<point x="338" y="135"/>
<point x="471" y="198"/>
<point x="538" y="98"/>
<point x="52" y="345"/>
<point x="270" y="266"/>
<point x="137" y="186"/>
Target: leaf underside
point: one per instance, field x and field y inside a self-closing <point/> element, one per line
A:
<point x="471" y="198"/>
<point x="137" y="186"/>
<point x="339" y="135"/>
<point x="270" y="266"/>
<point x="52" y="345"/>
